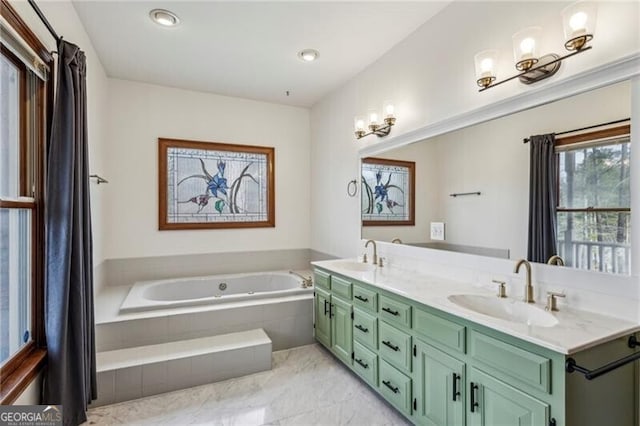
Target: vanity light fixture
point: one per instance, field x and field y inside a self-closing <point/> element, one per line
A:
<point x="376" y="126"/>
<point x="308" y="55"/>
<point x="578" y="22"/>
<point x="164" y="17"/>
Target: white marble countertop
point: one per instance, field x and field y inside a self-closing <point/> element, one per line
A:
<point x="576" y="330"/>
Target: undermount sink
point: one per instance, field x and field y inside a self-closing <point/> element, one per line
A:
<point x="505" y="309"/>
<point x="354" y="266"/>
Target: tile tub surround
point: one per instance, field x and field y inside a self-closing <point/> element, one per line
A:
<point x="576" y="330"/>
<point x="119" y="272"/>
<point x="305" y="386"/>
<point x="287" y="321"/>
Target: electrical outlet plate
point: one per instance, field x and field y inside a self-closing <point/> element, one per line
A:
<point x="437" y="231"/>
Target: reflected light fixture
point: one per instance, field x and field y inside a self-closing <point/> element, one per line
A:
<point x="308" y="55"/>
<point x="375" y="126"/>
<point x="578" y="20"/>
<point x="164" y="17"/>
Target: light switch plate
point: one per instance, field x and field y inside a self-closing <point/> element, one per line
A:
<point x="437" y="231"/>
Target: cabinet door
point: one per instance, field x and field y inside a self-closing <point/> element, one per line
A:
<point x="322" y="320"/>
<point x="439" y="387"/>
<point x="495" y="403"/>
<point x="341" y="329"/>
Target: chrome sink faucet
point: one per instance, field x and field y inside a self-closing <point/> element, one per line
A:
<point x="528" y="288"/>
<point x="375" y="251"/>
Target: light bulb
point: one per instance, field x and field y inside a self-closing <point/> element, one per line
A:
<point x="486" y="66"/>
<point x="359" y="123"/>
<point x="373" y="118"/>
<point x="578" y="22"/>
<point x="308" y="55"/>
<point x="527" y="46"/>
<point x="164" y="17"/>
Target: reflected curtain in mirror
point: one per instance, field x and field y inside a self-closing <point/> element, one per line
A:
<point x="542" y="198"/>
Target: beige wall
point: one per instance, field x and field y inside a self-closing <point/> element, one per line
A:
<point x="139" y="114"/>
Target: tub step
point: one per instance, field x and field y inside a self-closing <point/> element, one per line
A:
<point x="131" y="373"/>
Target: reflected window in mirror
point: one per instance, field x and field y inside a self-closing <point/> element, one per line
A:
<point x="593" y="213"/>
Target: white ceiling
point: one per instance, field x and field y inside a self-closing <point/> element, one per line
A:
<point x="248" y="49"/>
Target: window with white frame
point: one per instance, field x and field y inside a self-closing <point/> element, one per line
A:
<point x="594" y="214"/>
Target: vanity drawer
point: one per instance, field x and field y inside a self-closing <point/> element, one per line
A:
<point x="395" y="312"/>
<point x="322" y="279"/>
<point x="394" y="346"/>
<point x="511" y="363"/>
<point x="395" y="386"/>
<point x="365" y="363"/>
<point x="341" y="287"/>
<point x="439" y="330"/>
<point x="365" y="328"/>
<point x="365" y="298"/>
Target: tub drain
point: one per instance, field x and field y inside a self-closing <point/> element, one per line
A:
<point x="222" y="286"/>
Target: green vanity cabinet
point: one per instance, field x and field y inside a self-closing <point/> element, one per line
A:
<point x="322" y="318"/>
<point x="341" y="329"/>
<point x="439" y="369"/>
<point x="439" y="387"/>
<point x="333" y="321"/>
<point x="494" y="403"/>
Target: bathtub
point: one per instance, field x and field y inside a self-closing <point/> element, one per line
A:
<point x="214" y="289"/>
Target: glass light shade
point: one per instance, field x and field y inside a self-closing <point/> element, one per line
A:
<point x="579" y="23"/>
<point x="486" y="62"/>
<point x="359" y="123"/>
<point x="374" y="118"/>
<point x="525" y="47"/>
<point x="388" y="109"/>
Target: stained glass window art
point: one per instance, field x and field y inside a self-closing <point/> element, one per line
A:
<point x="387" y="192"/>
<point x="213" y="185"/>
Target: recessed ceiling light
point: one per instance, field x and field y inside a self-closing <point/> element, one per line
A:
<point x="164" y="17"/>
<point x="308" y="55"/>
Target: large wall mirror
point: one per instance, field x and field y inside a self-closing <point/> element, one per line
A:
<point x="475" y="181"/>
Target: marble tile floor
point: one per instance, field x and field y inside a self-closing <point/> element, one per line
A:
<point x="306" y="386"/>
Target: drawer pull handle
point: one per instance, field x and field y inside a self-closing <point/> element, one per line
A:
<point x="390" y="311"/>
<point x="474" y="403"/>
<point x="390" y="386"/>
<point x="325" y="307"/>
<point x="456" y="392"/>
<point x="361" y="328"/>
<point x="363" y="364"/>
<point x="360" y="298"/>
<point x="390" y="345"/>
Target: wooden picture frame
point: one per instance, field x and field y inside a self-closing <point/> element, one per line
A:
<point x="388" y="192"/>
<point x="213" y="185"/>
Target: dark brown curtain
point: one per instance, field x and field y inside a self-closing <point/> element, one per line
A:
<point x="542" y="198"/>
<point x="69" y="320"/>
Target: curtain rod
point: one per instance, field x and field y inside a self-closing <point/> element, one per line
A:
<point x="525" y="140"/>
<point x="44" y="20"/>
